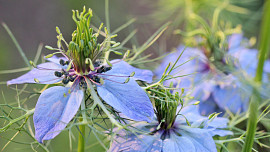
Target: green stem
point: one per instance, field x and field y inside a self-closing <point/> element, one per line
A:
<point x="17" y="45"/>
<point x="81" y="141"/>
<point x="254" y="102"/>
<point x="81" y="137"/>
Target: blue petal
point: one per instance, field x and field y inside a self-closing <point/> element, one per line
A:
<point x="128" y="98"/>
<point x="56" y="59"/>
<point x="127" y="141"/>
<point x="235" y="42"/>
<point x="232" y="98"/>
<point x="200" y="138"/>
<point x="214" y="127"/>
<point x="186" y="139"/>
<point x="178" y="144"/>
<point x="209" y="106"/>
<point x="54" y="110"/>
<point x="198" y="64"/>
<point x="44" y="73"/>
<point x="121" y="67"/>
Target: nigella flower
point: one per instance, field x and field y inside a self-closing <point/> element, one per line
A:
<point x="217" y="83"/>
<point x="80" y="68"/>
<point x="175" y="129"/>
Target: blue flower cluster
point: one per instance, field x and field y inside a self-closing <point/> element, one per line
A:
<point x="165" y="125"/>
<point x="218" y="90"/>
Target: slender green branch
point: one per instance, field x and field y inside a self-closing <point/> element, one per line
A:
<point x="16" y="44"/>
<point x="28" y="113"/>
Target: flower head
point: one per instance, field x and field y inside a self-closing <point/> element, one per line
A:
<point x="216" y="80"/>
<point x="176" y="128"/>
<point x="81" y="65"/>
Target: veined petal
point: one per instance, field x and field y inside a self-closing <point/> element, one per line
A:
<point x="123" y="68"/>
<point x="126" y="141"/>
<point x="54" y="110"/>
<point x="232" y="98"/>
<point x="128" y="98"/>
<point x="178" y="144"/>
<point x="214" y="127"/>
<point x="44" y="73"/>
<point x="56" y="59"/>
<point x="200" y="138"/>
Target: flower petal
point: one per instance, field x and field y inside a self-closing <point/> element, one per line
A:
<point x="214" y="126"/>
<point x="44" y="73"/>
<point x="231" y="97"/>
<point x="127" y="141"/>
<point x="234" y="42"/>
<point x="123" y="68"/>
<point x="54" y="110"/>
<point x="128" y="98"/>
<point x="56" y="59"/>
<point x="200" y="138"/>
<point x="178" y="144"/>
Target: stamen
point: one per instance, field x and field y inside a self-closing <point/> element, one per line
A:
<point x="85" y="77"/>
<point x="65" y="81"/>
<point x="62" y="62"/>
<point x="103" y="69"/>
<point x="58" y="74"/>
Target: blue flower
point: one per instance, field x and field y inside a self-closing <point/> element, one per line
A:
<point x="179" y="138"/>
<point x="217" y="89"/>
<point x="57" y="105"/>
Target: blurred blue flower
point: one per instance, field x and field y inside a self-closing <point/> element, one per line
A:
<point x="57" y="105"/>
<point x="218" y="90"/>
<point x="179" y="138"/>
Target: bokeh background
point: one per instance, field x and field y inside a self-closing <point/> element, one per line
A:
<point x="33" y="22"/>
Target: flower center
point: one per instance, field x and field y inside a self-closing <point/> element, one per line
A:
<point x="70" y="75"/>
<point x="84" y="48"/>
<point x="166" y="107"/>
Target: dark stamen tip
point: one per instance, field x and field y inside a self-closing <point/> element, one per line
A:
<point x="58" y="74"/>
<point x="65" y="81"/>
<point x="62" y="62"/>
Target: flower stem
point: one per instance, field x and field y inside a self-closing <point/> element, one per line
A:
<point x="81" y="141"/>
<point x="254" y="102"/>
<point x="81" y="137"/>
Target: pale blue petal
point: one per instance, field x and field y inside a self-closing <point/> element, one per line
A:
<point x="128" y="98"/>
<point x="209" y="106"/>
<point x="200" y="138"/>
<point x="56" y="59"/>
<point x="178" y="144"/>
<point x="214" y="127"/>
<point x="121" y="67"/>
<point x="44" y="73"/>
<point x="129" y="142"/>
<point x="232" y="98"/>
<point x="202" y="90"/>
<point x="235" y="42"/>
<point x="54" y="110"/>
<point x="198" y="64"/>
